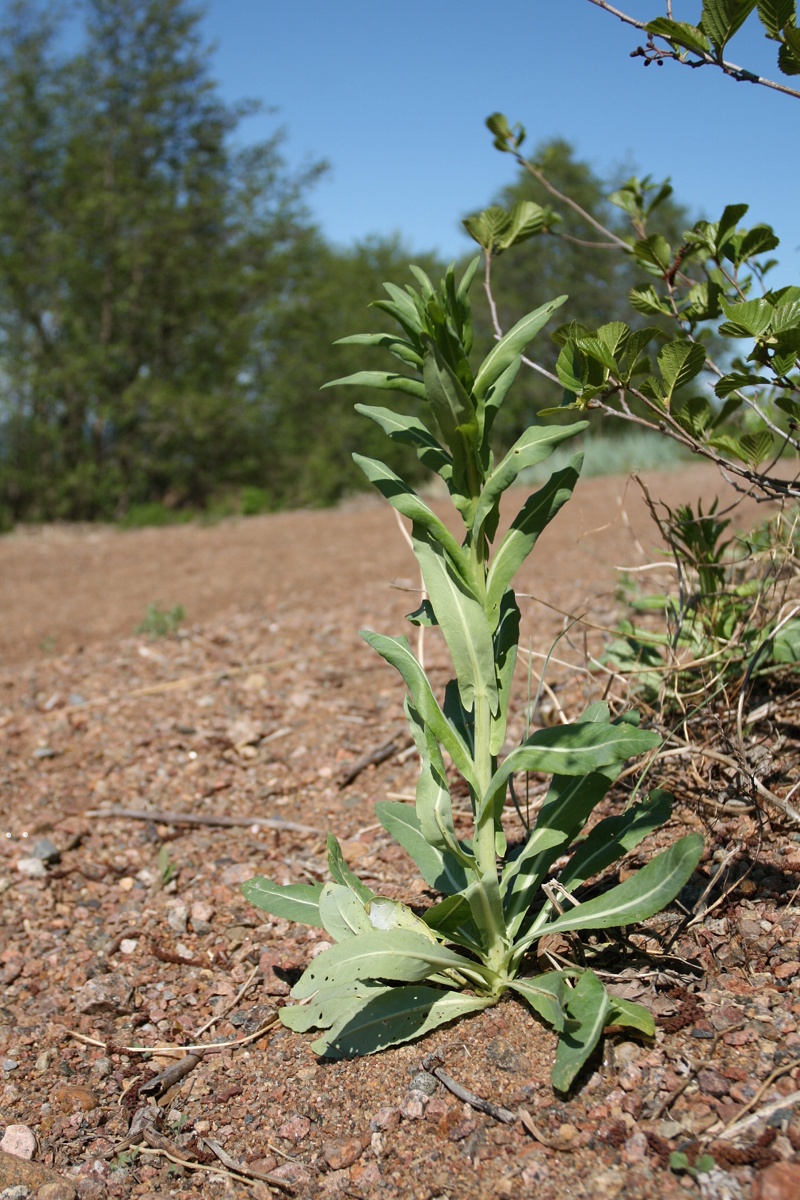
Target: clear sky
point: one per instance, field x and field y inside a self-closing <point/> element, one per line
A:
<point x="395" y="95"/>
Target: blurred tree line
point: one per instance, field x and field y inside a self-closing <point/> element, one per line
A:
<point x="167" y="307"/>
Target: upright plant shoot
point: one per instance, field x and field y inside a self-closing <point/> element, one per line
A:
<point x="392" y="975"/>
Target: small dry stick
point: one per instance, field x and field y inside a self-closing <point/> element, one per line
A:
<point x="239" y="995"/>
<point x="429" y="1063"/>
<point x="207" y="1048"/>
<point x="162" y="1082"/>
<point x="373" y="757"/>
<point x="173" y="818"/>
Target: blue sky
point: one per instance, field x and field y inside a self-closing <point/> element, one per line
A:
<point x="395" y="95"/>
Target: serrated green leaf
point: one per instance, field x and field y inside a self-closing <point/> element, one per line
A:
<point x="694" y="415"/>
<point x="646" y="300"/>
<point x="750" y="318"/>
<point x="294" y="902"/>
<point x="789" y="53"/>
<point x="395" y="1015"/>
<point x="748" y="447"/>
<point x="509" y="348"/>
<point x="588" y="1006"/>
<point x="758" y="240"/>
<point x="679" y="363"/>
<point x="401" y="954"/>
<point x="654" y="253"/>
<point x="722" y="18"/>
<point x="775" y="14"/>
<point x="689" y="37"/>
<point x="728" y="384"/>
<point x="640" y="896"/>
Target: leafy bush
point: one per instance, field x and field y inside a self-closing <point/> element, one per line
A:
<point x="392" y="974"/>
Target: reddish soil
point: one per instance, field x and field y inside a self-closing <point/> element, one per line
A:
<point x="135" y="933"/>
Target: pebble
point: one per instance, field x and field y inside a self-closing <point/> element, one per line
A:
<point x="72" y="1097"/>
<point x="504" y="1056"/>
<point x="19" y="1140"/>
<point x="18" y="1172"/>
<point x="33" y="868"/>
<point x="43" y="1062"/>
<point x="105" y="994"/>
<point x="293" y="1173"/>
<point x="424" y="1082"/>
<point x="779" y="1182"/>
<point x="712" y="1083"/>
<point x="636" y="1148"/>
<point x="414" y="1105"/>
<point x="295" y="1129"/>
<point x="342" y="1153"/>
<point x="385" y="1120"/>
<point x="45" y="850"/>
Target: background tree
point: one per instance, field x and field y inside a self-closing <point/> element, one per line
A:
<point x="140" y="257"/>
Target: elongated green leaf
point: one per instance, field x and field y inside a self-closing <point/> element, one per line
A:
<point x="728" y="384"/>
<point x="534" y="446"/>
<point x="451" y="918"/>
<point x="393" y="914"/>
<point x="411" y="431"/>
<point x="463" y="622"/>
<point x="626" y="1012"/>
<point x="401" y="954"/>
<point x="294" y="902"/>
<point x="434" y="807"/>
<point x="534" y="516"/>
<point x="342" y="913"/>
<point x="400" y="348"/>
<point x="576" y="749"/>
<point x="640" y="896"/>
<point x="509" y="348"/>
<point x="570" y="802"/>
<point x="408" y="504"/>
<point x="614" y="837"/>
<point x="588" y="1005"/>
<point x="488" y="409"/>
<point x="546" y="994"/>
<point x="341" y="873"/>
<point x="440" y="869"/>
<point x="449" y="401"/>
<point x="395" y="1015"/>
<point x="506" y="641"/>
<point x="384" y="380"/>
<point x="398" y="652"/>
<point x="329" y="1005"/>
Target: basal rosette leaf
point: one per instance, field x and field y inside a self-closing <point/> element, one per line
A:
<point x="395" y="1015"/>
<point x="589" y="1007"/>
<point x="398" y="954"/>
<point x="440" y="868"/>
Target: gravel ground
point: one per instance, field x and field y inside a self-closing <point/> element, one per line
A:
<point x="122" y="934"/>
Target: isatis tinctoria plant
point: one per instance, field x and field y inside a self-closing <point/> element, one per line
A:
<point x="391" y="974"/>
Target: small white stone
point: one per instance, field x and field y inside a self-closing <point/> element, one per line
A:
<point x="128" y="945"/>
<point x="34" y="868"/>
<point x="19" y="1140"/>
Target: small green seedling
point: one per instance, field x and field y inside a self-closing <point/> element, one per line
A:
<point x="167" y="869"/>
<point x="160" y="622"/>
<point x="393" y="975"/>
<point x="679" y="1163"/>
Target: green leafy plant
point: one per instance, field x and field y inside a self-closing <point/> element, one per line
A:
<point x="709" y="355"/>
<point x="680" y="1164"/>
<point x="392" y="974"/>
<point x="167" y="870"/>
<point x="161" y="622"/>
<point x="732" y="614"/>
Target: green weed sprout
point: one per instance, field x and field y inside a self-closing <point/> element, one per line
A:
<point x="392" y="975"/>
